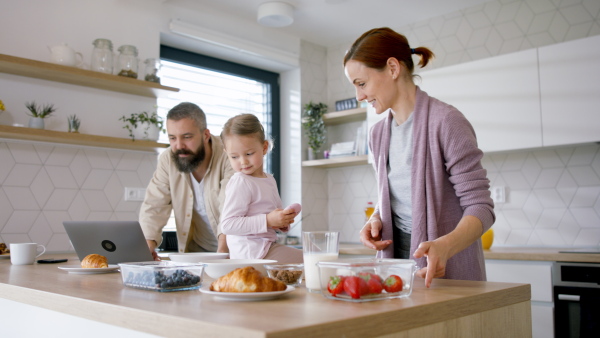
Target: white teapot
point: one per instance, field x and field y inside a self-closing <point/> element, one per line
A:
<point x="65" y="55"/>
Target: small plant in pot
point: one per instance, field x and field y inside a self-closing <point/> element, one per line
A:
<point x="314" y="127"/>
<point x="143" y="125"/>
<point x="38" y="114"/>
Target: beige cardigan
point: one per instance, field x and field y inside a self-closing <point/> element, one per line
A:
<point x="170" y="189"/>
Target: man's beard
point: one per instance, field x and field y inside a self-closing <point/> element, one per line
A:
<point x="188" y="164"/>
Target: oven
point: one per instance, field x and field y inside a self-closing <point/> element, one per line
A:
<point x="576" y="299"/>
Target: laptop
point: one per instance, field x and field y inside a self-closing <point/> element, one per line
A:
<point x="118" y="241"/>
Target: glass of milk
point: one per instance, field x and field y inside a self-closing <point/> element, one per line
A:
<point x="318" y="246"/>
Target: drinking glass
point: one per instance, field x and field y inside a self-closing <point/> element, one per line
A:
<point x="318" y="246"/>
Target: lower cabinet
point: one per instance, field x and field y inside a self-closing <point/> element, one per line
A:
<point x="539" y="275"/>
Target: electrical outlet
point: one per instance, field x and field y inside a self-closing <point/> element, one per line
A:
<point x="499" y="194"/>
<point x="135" y="194"/>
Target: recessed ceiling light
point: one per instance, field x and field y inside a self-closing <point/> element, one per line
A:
<point x="275" y="14"/>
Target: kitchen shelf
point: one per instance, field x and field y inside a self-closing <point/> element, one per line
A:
<point x="22" y="133"/>
<point x="81" y="77"/>
<point x="337" y="162"/>
<point x="345" y="116"/>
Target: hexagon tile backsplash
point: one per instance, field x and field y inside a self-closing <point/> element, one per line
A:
<point x="553" y="197"/>
<point x="42" y="185"/>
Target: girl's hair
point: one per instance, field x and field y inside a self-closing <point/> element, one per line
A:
<point x="376" y="46"/>
<point x="244" y="125"/>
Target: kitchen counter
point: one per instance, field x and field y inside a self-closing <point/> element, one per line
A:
<point x="540" y="254"/>
<point x="475" y="309"/>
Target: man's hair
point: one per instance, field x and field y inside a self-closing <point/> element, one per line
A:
<point x="190" y="111"/>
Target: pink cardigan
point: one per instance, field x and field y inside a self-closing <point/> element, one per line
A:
<point x="448" y="182"/>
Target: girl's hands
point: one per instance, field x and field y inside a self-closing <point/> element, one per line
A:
<point x="280" y="218"/>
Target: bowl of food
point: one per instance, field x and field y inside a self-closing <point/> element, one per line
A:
<point x="218" y="267"/>
<point x="197" y="257"/>
<point x="162" y="276"/>
<point x="367" y="279"/>
<point x="290" y="274"/>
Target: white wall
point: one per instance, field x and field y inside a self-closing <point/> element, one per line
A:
<point x="553" y="193"/>
<point x="43" y="184"/>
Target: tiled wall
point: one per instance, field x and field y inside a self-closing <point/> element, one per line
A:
<point x="44" y="184"/>
<point x="553" y="193"/>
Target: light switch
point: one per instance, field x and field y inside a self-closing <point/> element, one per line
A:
<point x="499" y="194"/>
<point x="135" y="194"/>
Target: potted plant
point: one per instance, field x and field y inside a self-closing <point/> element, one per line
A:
<point x="314" y="127"/>
<point x="74" y="123"/>
<point x="143" y="125"/>
<point x="38" y="114"/>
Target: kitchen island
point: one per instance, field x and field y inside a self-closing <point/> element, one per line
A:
<point x="447" y="309"/>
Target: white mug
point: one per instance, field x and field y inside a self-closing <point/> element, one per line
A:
<point x="25" y="253"/>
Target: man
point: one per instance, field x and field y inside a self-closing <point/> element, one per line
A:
<point x="190" y="179"/>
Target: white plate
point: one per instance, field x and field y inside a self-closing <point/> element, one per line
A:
<point x="246" y="296"/>
<point x="4" y="256"/>
<point x="77" y="269"/>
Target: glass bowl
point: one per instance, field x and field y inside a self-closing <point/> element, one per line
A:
<point x="348" y="274"/>
<point x="290" y="274"/>
<point x="162" y="276"/>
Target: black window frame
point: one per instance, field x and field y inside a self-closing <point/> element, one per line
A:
<point x="236" y="69"/>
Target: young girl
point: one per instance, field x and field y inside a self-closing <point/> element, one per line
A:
<point x="252" y="209"/>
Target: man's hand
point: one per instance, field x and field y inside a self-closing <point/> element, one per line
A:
<point x="152" y="246"/>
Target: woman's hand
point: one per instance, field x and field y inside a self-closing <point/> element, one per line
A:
<point x="439" y="251"/>
<point x="370" y="234"/>
<point x="437" y="254"/>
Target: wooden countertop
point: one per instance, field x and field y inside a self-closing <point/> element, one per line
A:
<point x="540" y="254"/>
<point x="103" y="297"/>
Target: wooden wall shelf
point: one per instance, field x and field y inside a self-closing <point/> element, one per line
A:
<point x="345" y="116"/>
<point x="337" y="162"/>
<point x="81" y="77"/>
<point x="52" y="136"/>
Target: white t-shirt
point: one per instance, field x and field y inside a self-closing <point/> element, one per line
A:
<point x="399" y="173"/>
<point x="202" y="234"/>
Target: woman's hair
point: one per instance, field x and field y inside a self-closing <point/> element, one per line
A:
<point x="376" y="46"/>
<point x="190" y="111"/>
<point x="245" y="125"/>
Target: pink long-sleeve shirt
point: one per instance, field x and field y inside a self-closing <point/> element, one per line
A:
<point x="248" y="200"/>
<point x="448" y="182"/>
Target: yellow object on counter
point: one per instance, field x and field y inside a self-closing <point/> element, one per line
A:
<point x="487" y="239"/>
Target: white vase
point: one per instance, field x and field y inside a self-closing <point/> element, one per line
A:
<point x="312" y="155"/>
<point x="36" y="122"/>
<point x="145" y="131"/>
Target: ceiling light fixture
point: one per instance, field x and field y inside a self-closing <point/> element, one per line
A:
<point x="275" y="14"/>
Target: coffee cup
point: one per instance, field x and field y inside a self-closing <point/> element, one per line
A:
<point x="25" y="253"/>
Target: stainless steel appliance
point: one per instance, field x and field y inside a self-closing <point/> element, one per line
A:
<point x="576" y="299"/>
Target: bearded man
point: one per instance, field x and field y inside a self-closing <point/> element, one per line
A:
<point x="190" y="180"/>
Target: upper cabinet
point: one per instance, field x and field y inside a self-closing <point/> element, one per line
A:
<point x="72" y="75"/>
<point x="498" y="95"/>
<point x="570" y="91"/>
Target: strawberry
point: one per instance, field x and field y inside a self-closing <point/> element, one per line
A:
<point x="355" y="286"/>
<point x="375" y="285"/>
<point x="393" y="284"/>
<point x="335" y="285"/>
<point x="367" y="276"/>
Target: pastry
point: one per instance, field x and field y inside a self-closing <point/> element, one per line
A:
<point x="4" y="249"/>
<point x="246" y="279"/>
<point x="94" y="261"/>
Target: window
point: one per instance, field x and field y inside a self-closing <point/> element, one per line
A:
<point x="222" y="89"/>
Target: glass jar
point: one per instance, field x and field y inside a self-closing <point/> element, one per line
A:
<point x="102" y="56"/>
<point x="128" y="62"/>
<point x="152" y="68"/>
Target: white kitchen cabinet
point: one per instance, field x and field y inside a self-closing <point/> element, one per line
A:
<point x="539" y="275"/>
<point x="498" y="95"/>
<point x="570" y="91"/>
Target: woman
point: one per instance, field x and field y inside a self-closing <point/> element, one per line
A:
<point x="434" y="200"/>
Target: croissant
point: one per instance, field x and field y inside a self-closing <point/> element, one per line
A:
<point x="246" y="279"/>
<point x="94" y="261"/>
